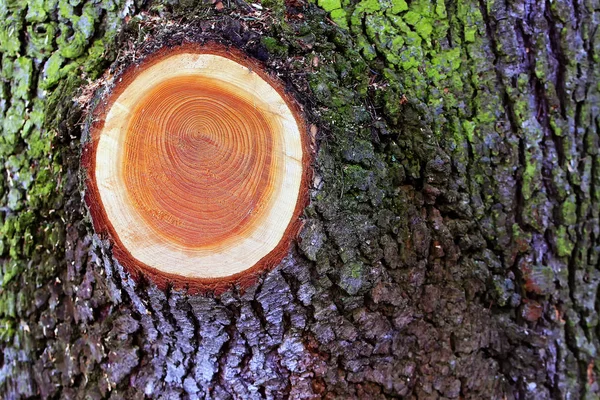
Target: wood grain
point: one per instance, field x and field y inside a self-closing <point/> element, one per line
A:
<point x="197" y="166"/>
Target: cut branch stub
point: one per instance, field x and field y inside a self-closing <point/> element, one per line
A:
<point x="197" y="168"/>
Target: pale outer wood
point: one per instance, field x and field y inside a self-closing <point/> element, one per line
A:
<point x="145" y="245"/>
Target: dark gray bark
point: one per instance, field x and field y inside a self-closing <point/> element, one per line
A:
<point x="451" y="245"/>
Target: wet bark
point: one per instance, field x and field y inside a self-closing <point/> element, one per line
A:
<point x="450" y="249"/>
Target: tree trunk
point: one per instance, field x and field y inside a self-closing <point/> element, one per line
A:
<point x="451" y="244"/>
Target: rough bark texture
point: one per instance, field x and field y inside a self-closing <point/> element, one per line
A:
<point x="451" y="245"/>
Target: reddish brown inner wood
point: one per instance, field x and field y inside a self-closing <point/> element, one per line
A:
<point x="198" y="162"/>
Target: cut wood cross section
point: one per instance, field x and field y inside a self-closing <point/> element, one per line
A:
<point x="197" y="168"/>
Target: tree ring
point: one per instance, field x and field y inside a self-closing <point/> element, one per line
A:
<point x="197" y="167"/>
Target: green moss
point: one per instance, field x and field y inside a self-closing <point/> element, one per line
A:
<point x="470" y="33"/>
<point x="38" y="143"/>
<point x="43" y="186"/>
<point x="329" y="5"/>
<point x="398" y="6"/>
<point x="440" y="9"/>
<point x="7" y="328"/>
<point x="22" y="77"/>
<point x="531" y="181"/>
<point x="13" y="121"/>
<point x="569" y="210"/>
<point x="408" y="37"/>
<point x="368" y="6"/>
<point x="88" y="19"/>
<point x="9" y="33"/>
<point x="424" y="28"/>
<point x="36" y="11"/>
<point x="14" y="199"/>
<point x="336" y="12"/>
<point x="74" y="47"/>
<point x="36" y="40"/>
<point x="340" y="17"/>
<point x="274" y="46"/>
<point x="52" y="70"/>
<point x="469" y="129"/>
<point x="485" y="118"/>
<point x="563" y="243"/>
<point x="41" y="41"/>
<point x="411" y="18"/>
<point x="10" y="270"/>
<point x="277" y="7"/>
<point x="355" y="177"/>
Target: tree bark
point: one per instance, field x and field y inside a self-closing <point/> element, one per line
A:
<point x="450" y="248"/>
